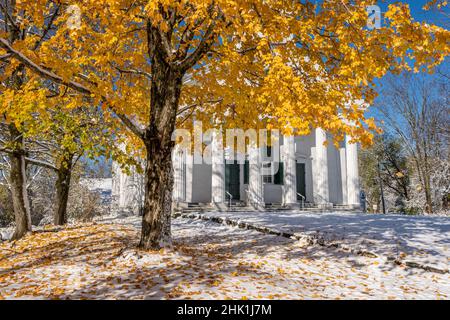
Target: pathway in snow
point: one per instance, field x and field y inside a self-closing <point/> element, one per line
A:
<point x="414" y="239"/>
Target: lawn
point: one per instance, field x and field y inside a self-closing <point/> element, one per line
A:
<point x="207" y="261"/>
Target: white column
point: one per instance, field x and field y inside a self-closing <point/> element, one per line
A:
<point x="189" y="176"/>
<point x="352" y="173"/>
<point x="123" y="190"/>
<point x="135" y="197"/>
<point x="115" y="190"/>
<point x="129" y="199"/>
<point x="179" y="186"/>
<point x="255" y="187"/>
<point x="343" y="163"/>
<point x="290" y="172"/>
<point x="321" y="188"/>
<point x="218" y="171"/>
<point x="141" y="191"/>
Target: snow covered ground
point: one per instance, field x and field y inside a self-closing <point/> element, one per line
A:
<point x="418" y="239"/>
<point x="207" y="261"/>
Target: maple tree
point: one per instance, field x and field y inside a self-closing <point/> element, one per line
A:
<point x="55" y="138"/>
<point x="66" y="136"/>
<point x="292" y="65"/>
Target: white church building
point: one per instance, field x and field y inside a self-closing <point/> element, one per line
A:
<point x="309" y="173"/>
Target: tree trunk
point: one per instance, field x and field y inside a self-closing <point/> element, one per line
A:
<point x="18" y="175"/>
<point x="18" y="180"/>
<point x="427" y="178"/>
<point x="428" y="196"/>
<point x="156" y="231"/>
<point x="62" y="191"/>
<point x="165" y="94"/>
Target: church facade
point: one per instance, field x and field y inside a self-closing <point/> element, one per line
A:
<point x="309" y="173"/>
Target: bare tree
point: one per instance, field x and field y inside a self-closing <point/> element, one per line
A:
<point x="415" y="109"/>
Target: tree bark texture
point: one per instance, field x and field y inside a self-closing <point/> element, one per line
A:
<point x="62" y="190"/>
<point x="165" y="94"/>
<point x="18" y="181"/>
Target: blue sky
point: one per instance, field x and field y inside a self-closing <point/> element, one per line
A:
<point x="433" y="17"/>
<point x="422" y="15"/>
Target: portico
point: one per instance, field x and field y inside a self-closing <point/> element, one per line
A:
<point x="310" y="172"/>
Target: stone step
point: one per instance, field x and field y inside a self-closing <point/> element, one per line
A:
<point x="269" y="207"/>
<point x="343" y="207"/>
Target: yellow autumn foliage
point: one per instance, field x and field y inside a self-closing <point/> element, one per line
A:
<point x="267" y="64"/>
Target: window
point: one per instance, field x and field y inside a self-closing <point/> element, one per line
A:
<point x="267" y="167"/>
<point x="267" y="179"/>
<point x="269" y="175"/>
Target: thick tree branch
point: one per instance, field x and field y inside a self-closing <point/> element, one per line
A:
<point x="133" y="71"/>
<point x="32" y="161"/>
<point x="47" y="29"/>
<point x="5" y="57"/>
<point x="70" y="84"/>
<point x="157" y="44"/>
<point x="41" y="71"/>
<point x="130" y="124"/>
<point x="8" y="17"/>
<point x="40" y="163"/>
<point x="192" y="106"/>
<point x="203" y="47"/>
